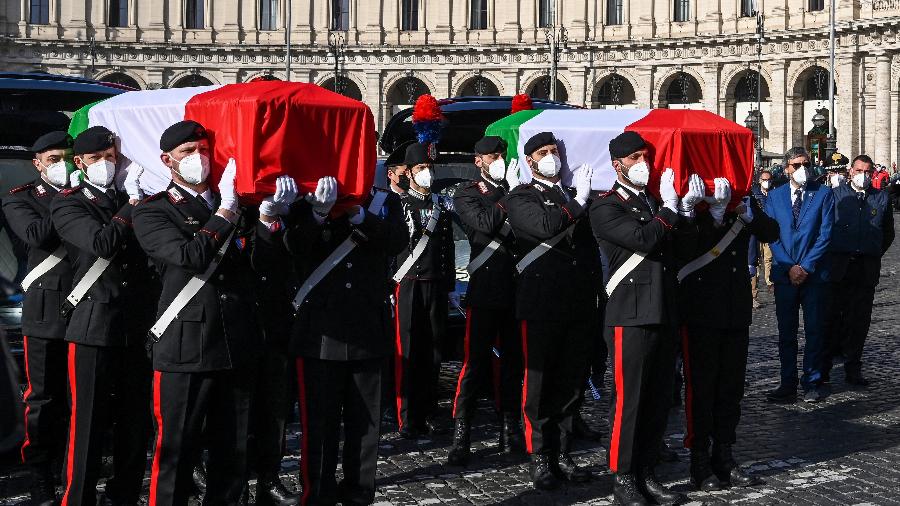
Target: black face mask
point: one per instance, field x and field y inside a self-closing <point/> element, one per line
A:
<point x="403" y="183"/>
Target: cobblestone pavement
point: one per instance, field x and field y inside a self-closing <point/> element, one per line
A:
<point x="844" y="450"/>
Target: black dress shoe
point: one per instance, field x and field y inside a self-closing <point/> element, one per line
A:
<point x="199" y="477"/>
<point x="459" y="453"/>
<point x="43" y="493"/>
<point x="728" y="471"/>
<point x="702" y="475"/>
<point x="581" y="430"/>
<point x="782" y="395"/>
<point x="542" y="472"/>
<point x="410" y="431"/>
<point x="571" y="471"/>
<point x="625" y="491"/>
<point x="649" y="485"/>
<point x="856" y="380"/>
<point x="511" y="437"/>
<point x="270" y="491"/>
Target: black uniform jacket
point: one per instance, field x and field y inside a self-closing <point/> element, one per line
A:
<point x="437" y="262"/>
<point x="563" y="282"/>
<point x="118" y="308"/>
<point x="863" y="231"/>
<point x="217" y="329"/>
<point x="623" y="225"/>
<point x="478" y="206"/>
<point x="347" y="316"/>
<point x="27" y="210"/>
<point x="718" y="294"/>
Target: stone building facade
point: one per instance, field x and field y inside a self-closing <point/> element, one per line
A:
<point x="612" y="53"/>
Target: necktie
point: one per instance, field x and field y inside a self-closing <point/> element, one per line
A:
<point x="798" y="201"/>
<point x="647" y="202"/>
<point x="563" y="194"/>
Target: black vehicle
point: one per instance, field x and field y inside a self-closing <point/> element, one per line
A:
<point x="31" y="104"/>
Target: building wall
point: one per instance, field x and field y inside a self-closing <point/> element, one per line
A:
<point x="716" y="47"/>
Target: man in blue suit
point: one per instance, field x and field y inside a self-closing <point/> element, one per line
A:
<point x="804" y="210"/>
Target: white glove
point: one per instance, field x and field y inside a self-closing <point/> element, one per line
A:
<point x="75" y="178"/>
<point x="324" y="197"/>
<point x="132" y="184"/>
<point x="226" y="187"/>
<point x="582" y="183"/>
<point x="696" y="192"/>
<point x="453" y="297"/>
<point x="667" y="190"/>
<point x="280" y="203"/>
<point x="512" y="174"/>
<point x="721" y="197"/>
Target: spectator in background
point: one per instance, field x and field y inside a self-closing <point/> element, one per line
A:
<point x="880" y="178"/>
<point x="760" y="254"/>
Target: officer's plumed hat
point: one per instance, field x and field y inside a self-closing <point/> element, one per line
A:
<point x="838" y="162"/>
<point x="52" y="140"/>
<point x="417" y="153"/>
<point x="397" y="156"/>
<point x="181" y="132"/>
<point x="625" y="144"/>
<point x="538" y="141"/>
<point x="95" y="138"/>
<point x="490" y="144"/>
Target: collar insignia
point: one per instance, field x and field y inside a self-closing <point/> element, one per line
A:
<point x="87" y="193"/>
<point x="190" y="220"/>
<point x="483" y="188"/>
<point x="175" y="196"/>
<point x="623" y="193"/>
<point x="40" y="190"/>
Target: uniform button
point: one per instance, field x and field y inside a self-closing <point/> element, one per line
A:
<point x="124" y="247"/>
<point x="664" y="269"/>
<point x="349" y="265"/>
<point x="223" y="297"/>
<point x="89" y="297"/>
<point x="262" y="278"/>
<point x="124" y="284"/>
<point x="734" y="269"/>
<point x="40" y="285"/>
<point x="348" y="285"/>
<point x="124" y="266"/>
<point x="221" y="277"/>
<point x="733" y="253"/>
<point x="631" y="280"/>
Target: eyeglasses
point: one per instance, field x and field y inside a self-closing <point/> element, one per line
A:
<point x="799" y="164"/>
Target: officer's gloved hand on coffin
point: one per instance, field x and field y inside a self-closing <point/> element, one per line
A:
<point x="324" y="197"/>
<point x="279" y="203"/>
<point x="721" y="197"/>
<point x="512" y="174"/>
<point x="667" y="190"/>
<point x="582" y="183"/>
<point x="696" y="192"/>
<point x="132" y="184"/>
<point x="75" y="178"/>
<point x="229" y="200"/>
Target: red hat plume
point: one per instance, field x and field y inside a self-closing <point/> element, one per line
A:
<point x="521" y="102"/>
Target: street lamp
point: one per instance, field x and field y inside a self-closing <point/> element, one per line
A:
<point x="557" y="39"/>
<point x="411" y="87"/>
<point x="337" y="47"/>
<point x="754" y="123"/>
<point x="831" y="141"/>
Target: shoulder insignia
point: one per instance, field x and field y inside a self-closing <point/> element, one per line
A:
<point x="622" y="194"/>
<point x="68" y="191"/>
<point x="17" y="189"/>
<point x="539" y="187"/>
<point x="41" y="191"/>
<point x="175" y="196"/>
<point x="483" y="188"/>
<point x="87" y="193"/>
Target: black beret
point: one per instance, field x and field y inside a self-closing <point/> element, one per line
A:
<point x="625" y="144"/>
<point x="490" y="144"/>
<point x="397" y="156"/>
<point x="838" y="162"/>
<point x="53" y="140"/>
<point x="181" y="132"/>
<point x="418" y="153"/>
<point x="538" y="141"/>
<point x="95" y="138"/>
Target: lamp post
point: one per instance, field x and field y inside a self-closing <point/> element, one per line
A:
<point x="760" y="40"/>
<point x="831" y="142"/>
<point x="337" y="47"/>
<point x="754" y="123"/>
<point x="557" y="39"/>
<point x="411" y="87"/>
<point x="287" y="42"/>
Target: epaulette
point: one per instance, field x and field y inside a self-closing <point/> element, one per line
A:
<point x="69" y="191"/>
<point x="622" y="194"/>
<point x="606" y="194"/>
<point x="155" y="196"/>
<point x="18" y="189"/>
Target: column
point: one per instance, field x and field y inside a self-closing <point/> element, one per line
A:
<point x="152" y="21"/>
<point x="441" y="83"/>
<point x="228" y="17"/>
<point x="576" y="79"/>
<point x="373" y="96"/>
<point x="73" y="20"/>
<point x="153" y="76"/>
<point x="506" y="20"/>
<point x="847" y="118"/>
<point x="711" y="87"/>
<point x="778" y="130"/>
<point x="510" y="81"/>
<point x="883" y="108"/>
<point x="644" y="88"/>
<point x="440" y="19"/>
<point x="573" y="18"/>
<point x="371" y="22"/>
<point x="230" y="76"/>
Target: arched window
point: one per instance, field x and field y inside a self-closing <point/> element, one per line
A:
<point x="541" y="89"/>
<point x="190" y="81"/>
<point x="683" y="89"/>
<point x="344" y="86"/>
<point x="121" y="78"/>
<point x="479" y="87"/>
<point x="615" y="92"/>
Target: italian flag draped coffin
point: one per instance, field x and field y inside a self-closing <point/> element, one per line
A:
<point x="270" y="128"/>
<point x="686" y="141"/>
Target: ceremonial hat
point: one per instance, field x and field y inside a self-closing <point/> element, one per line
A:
<point x="625" y="144"/>
<point x="418" y="153"/>
<point x="838" y="162"/>
<point x="538" y="141"/>
<point x="397" y="156"/>
<point x="490" y="144"/>
<point x="181" y="132"/>
<point x="95" y="138"/>
<point x="53" y="140"/>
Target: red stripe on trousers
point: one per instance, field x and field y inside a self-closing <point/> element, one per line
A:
<point x="620" y="402"/>
<point x="304" y="439"/>
<point x="27" y="441"/>
<point x="465" y="366"/>
<point x="528" y="432"/>
<point x="398" y="358"/>
<point x="688" y="388"/>
<point x="157" y="413"/>
<point x="70" y="453"/>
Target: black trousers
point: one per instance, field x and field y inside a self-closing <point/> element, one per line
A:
<point x="332" y="394"/>
<point x="46" y="406"/>
<point x="268" y="413"/>
<point x="715" y="363"/>
<point x="107" y="387"/>
<point x="492" y="343"/>
<point x="181" y="403"/>
<point x="555" y="354"/>
<point x="420" y="328"/>
<point x="643" y="369"/>
<point x="849" y="317"/>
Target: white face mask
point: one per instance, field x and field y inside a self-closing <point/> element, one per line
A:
<point x="423" y="178"/>
<point x="57" y="173"/>
<point x="101" y="172"/>
<point x="861" y="180"/>
<point x="836" y="180"/>
<point x="497" y="169"/>
<point x="639" y="174"/>
<point x="765" y="185"/>
<point x="799" y="176"/>
<point x="549" y="166"/>
<point x="194" y="168"/>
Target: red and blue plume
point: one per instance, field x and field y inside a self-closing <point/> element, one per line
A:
<point x="427" y="120"/>
<point x="521" y="102"/>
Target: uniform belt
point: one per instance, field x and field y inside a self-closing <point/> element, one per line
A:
<point x="422" y="243"/>
<point x="43" y="267"/>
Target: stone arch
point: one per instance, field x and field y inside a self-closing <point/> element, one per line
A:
<point x="806" y="98"/>
<point x="740" y="99"/>
<point x="183" y="76"/>
<point x="397" y="77"/>
<point x="662" y="85"/>
<point x="263" y="74"/>
<point x="538" y="77"/>
<point x="352" y="87"/>
<point x="121" y="76"/>
<point x="467" y="80"/>
<point x="604" y="93"/>
<point x="396" y="97"/>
